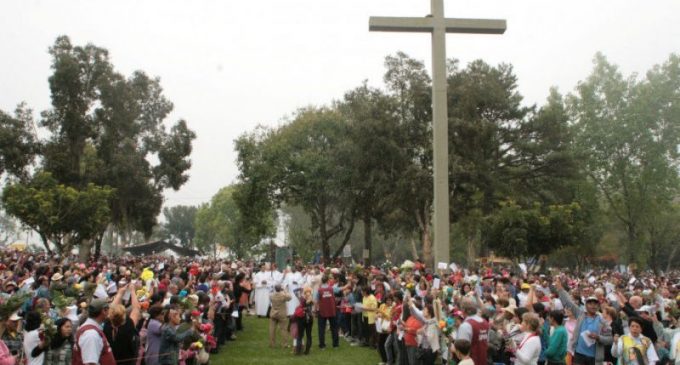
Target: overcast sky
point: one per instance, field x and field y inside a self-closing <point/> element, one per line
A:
<point x="230" y="65"/>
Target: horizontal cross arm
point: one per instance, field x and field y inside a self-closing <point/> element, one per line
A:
<point x="399" y="24"/>
<point x="481" y="26"/>
<point x="426" y="25"/>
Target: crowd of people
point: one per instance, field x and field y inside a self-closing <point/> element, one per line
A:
<point x="157" y="310"/>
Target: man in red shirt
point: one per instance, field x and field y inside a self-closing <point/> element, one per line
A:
<point x="476" y="330"/>
<point x="326" y="307"/>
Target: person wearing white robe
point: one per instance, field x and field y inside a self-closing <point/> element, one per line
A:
<point x="276" y="278"/>
<point x="292" y="281"/>
<point x="262" y="291"/>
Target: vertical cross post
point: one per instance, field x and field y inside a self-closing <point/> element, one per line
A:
<point x="438" y="26"/>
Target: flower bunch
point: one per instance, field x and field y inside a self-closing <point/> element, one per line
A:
<point x="408" y="265"/>
<point x="48" y="327"/>
<point x="12" y="304"/>
<point x="147" y="274"/>
<point x="387" y="266"/>
<point x="446" y="326"/>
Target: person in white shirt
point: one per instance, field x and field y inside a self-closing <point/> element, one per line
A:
<point x="34" y="340"/>
<point x="675" y="348"/>
<point x="523" y="295"/>
<point x="91" y="345"/>
<point x="292" y="281"/>
<point x="529" y="349"/>
<point x="262" y="290"/>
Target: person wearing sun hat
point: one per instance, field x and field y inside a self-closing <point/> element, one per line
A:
<point x="10" y="287"/>
<point x="12" y="336"/>
<point x="523" y="295"/>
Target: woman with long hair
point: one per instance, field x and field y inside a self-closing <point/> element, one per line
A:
<point x="304" y="315"/>
<point x="242" y="289"/>
<point x="61" y="346"/>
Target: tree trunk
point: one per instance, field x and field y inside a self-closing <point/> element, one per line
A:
<point x="427" y="247"/>
<point x="671" y="257"/>
<point x="472" y="240"/>
<point x="84" y="250"/>
<point x="98" y="246"/>
<point x="45" y="242"/>
<point x="348" y="235"/>
<point x="414" y="249"/>
<point x="631" y="243"/>
<point x="325" y="245"/>
<point x="368" y="240"/>
<point x="425" y="236"/>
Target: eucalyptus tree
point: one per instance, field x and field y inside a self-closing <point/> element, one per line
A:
<point x="628" y="130"/>
<point x="109" y="130"/>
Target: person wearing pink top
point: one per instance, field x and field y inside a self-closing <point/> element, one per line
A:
<point x="6" y="357"/>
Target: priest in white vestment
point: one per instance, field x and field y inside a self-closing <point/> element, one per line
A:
<point x="292" y="282"/>
<point x="262" y="290"/>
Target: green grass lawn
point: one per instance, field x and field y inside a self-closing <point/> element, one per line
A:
<point x="252" y="347"/>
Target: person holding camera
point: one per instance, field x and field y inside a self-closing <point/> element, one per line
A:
<point x="278" y="317"/>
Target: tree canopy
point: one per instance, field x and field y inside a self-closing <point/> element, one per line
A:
<point x="105" y="131"/>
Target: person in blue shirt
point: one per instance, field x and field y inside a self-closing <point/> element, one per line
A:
<point x="591" y="333"/>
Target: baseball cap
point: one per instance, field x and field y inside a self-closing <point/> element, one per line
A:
<point x="97" y="305"/>
<point x="592" y="299"/>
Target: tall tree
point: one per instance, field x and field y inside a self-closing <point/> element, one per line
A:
<point x="221" y="222"/>
<point x="503" y="150"/>
<point x="104" y="130"/>
<point x="628" y="130"/>
<point x="373" y="150"/>
<point x="408" y="203"/>
<point x="298" y="164"/>
<point x="180" y="224"/>
<point x="18" y="143"/>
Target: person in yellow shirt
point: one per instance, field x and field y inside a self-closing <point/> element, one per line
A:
<point x="369" y="311"/>
<point x="385" y="327"/>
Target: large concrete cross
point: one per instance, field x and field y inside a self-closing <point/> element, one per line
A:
<point x="438" y="26"/>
